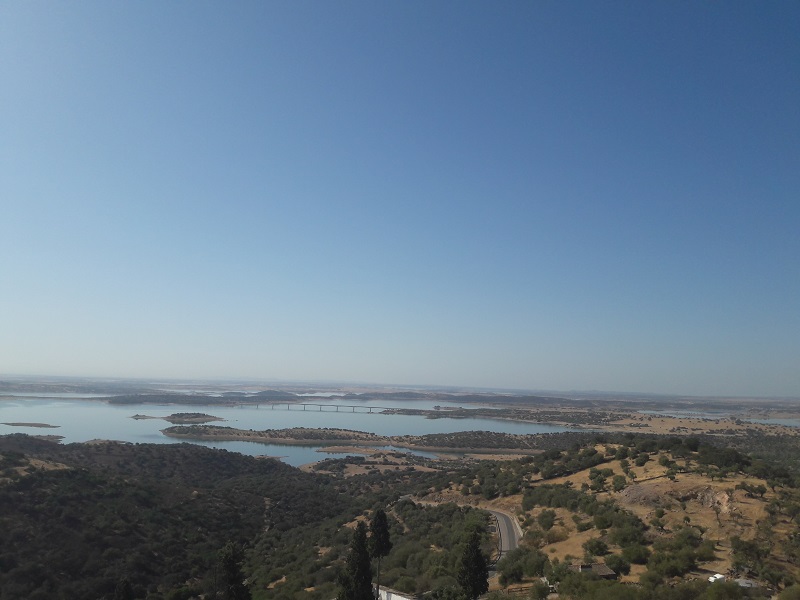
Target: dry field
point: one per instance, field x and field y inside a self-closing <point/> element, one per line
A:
<point x="716" y="507"/>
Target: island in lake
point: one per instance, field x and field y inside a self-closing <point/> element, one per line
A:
<point x="46" y="425"/>
<point x="478" y="442"/>
<point x="183" y="418"/>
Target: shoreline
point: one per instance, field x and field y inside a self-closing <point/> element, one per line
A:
<point x="278" y="441"/>
<point x="345" y="444"/>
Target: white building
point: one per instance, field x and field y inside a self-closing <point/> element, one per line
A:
<point x="390" y="594"/>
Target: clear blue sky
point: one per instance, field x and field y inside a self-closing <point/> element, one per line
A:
<point x="539" y="195"/>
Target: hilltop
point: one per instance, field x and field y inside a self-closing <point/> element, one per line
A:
<point x="661" y="513"/>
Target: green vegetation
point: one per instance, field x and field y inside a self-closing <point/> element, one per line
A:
<point x="180" y="521"/>
<point x="231" y="585"/>
<point x="473" y="572"/>
<point x="520" y="563"/>
<point x="355" y="581"/>
<point x="380" y="543"/>
<point x="155" y="516"/>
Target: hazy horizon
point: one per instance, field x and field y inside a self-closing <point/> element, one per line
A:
<point x="328" y="385"/>
<point x="540" y="196"/>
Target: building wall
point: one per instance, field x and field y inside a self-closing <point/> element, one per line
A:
<point x="389" y="594"/>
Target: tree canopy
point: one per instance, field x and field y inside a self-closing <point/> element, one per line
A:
<point x="355" y="582"/>
<point x="473" y="571"/>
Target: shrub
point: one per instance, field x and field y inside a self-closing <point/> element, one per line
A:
<point x="636" y="554"/>
<point x="596" y="547"/>
<point x="546" y="519"/>
<point x="617" y="563"/>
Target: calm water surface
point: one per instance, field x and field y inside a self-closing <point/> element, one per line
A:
<point x="80" y="420"/>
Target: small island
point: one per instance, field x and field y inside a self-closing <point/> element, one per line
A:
<point x="45" y="425"/>
<point x="183" y="418"/>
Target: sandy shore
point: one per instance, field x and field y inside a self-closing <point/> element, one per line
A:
<point x="350" y="450"/>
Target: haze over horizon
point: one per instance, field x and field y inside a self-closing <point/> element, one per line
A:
<point x="543" y="196"/>
<point x="322" y="386"/>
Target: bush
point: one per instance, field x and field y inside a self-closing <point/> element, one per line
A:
<point x="406" y="584"/>
<point x="541" y="590"/>
<point x="584" y="525"/>
<point x="555" y="535"/>
<point x="595" y="547"/>
<point x="618" y="564"/>
<point x="546" y="519"/>
<point x="636" y="554"/>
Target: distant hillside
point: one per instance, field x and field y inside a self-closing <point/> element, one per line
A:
<point x="228" y="398"/>
<point x="77" y="519"/>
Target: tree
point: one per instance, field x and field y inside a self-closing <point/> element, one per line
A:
<point x="540" y="591"/>
<point x="355" y="582"/>
<point x="636" y="553"/>
<point x="446" y="593"/>
<point x="595" y="547"/>
<point x="658" y="523"/>
<point x="618" y="564"/>
<point x="473" y="572"/>
<point x="231" y="558"/>
<point x="547" y="519"/>
<point x="379" y="543"/>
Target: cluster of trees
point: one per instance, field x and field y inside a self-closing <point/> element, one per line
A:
<point x="355" y="581"/>
<point x="9" y="462"/>
<point x="147" y="521"/>
<point x="327" y="434"/>
<point x="670" y="558"/>
<point x="667" y="557"/>
<point x="429" y="542"/>
<point x="621" y="527"/>
<point x="580" y="587"/>
<point x="150" y="519"/>
<point x="524" y="561"/>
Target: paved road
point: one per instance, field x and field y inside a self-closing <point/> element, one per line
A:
<point x="510" y="531"/>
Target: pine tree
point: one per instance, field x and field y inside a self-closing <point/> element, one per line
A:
<point x="473" y="572"/>
<point x="379" y="543"/>
<point x="355" y="583"/>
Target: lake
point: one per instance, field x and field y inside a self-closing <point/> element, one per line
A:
<point x="83" y="419"/>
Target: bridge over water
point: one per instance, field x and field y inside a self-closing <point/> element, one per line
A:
<point x="356" y="408"/>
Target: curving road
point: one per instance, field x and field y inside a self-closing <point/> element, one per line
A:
<point x="509" y="530"/>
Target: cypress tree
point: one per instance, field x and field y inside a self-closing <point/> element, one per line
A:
<point x="473" y="572"/>
<point x="231" y="558"/>
<point x="379" y="543"/>
<point x="355" y="583"/>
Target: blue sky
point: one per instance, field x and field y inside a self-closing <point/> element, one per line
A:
<point x="545" y="195"/>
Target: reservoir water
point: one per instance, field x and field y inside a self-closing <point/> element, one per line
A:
<point x="83" y="419"/>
